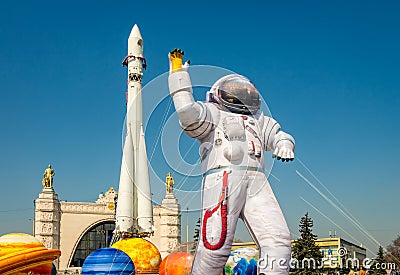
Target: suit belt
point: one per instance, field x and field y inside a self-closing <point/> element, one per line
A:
<point x="233" y="168"/>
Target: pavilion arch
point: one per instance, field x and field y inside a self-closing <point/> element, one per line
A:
<point x="93" y="237"/>
<point x="76" y="221"/>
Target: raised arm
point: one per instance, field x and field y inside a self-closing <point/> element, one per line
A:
<point x="194" y="116"/>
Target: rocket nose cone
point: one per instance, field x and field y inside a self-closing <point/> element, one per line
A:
<point x="135" y="32"/>
<point x="135" y="42"/>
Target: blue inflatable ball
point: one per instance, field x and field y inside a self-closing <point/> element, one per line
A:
<point x="108" y="261"/>
<point x="241" y="267"/>
<point x="252" y="267"/>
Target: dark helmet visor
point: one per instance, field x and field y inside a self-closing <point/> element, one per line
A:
<point x="239" y="93"/>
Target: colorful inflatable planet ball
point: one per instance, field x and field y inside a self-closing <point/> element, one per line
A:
<point x="23" y="254"/>
<point x="177" y="263"/>
<point x="108" y="261"/>
<point x="144" y="254"/>
<point x="242" y="261"/>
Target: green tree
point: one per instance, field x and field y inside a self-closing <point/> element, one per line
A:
<point x="196" y="236"/>
<point x="378" y="263"/>
<point x="305" y="250"/>
<point x="393" y="252"/>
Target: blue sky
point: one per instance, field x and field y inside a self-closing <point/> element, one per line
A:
<point x="328" y="70"/>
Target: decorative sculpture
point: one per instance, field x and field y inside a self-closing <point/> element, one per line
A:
<point x="233" y="135"/>
<point x="169" y="182"/>
<point x="48" y="177"/>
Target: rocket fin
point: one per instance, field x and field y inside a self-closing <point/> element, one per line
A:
<point x="144" y="206"/>
<point x="124" y="212"/>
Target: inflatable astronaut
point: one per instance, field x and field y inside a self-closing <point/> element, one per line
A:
<point x="233" y="133"/>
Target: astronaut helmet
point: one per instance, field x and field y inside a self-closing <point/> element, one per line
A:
<point x="236" y="93"/>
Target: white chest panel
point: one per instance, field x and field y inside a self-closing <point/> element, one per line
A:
<point x="235" y="141"/>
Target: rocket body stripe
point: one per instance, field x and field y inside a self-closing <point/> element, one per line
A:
<point x="134" y="212"/>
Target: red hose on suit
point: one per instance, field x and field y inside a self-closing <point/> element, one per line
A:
<point x="224" y="219"/>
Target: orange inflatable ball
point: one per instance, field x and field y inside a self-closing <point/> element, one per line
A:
<point x="178" y="263"/>
<point x="143" y="253"/>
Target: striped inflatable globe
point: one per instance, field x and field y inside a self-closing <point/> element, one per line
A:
<point x="108" y="261"/>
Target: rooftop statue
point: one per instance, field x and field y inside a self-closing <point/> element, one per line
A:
<point x="169" y="182"/>
<point x="48" y="177"/>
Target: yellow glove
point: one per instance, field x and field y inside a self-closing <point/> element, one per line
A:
<point x="175" y="58"/>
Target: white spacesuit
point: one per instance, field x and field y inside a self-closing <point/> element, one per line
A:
<point x="233" y="133"/>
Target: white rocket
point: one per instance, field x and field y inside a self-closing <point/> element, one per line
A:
<point x="134" y="213"/>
